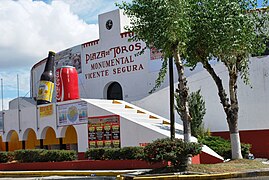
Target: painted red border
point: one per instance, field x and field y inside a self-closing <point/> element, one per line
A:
<point x="82" y="165"/>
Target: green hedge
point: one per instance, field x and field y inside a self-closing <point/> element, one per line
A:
<point x="176" y="151"/>
<point x="114" y="153"/>
<point x="3" y="157"/>
<point x="6" y="156"/>
<point x="42" y="155"/>
<point x="223" y="147"/>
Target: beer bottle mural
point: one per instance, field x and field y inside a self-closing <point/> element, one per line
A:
<point x="46" y="85"/>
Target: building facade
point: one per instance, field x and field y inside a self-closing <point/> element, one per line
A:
<point x="114" y="67"/>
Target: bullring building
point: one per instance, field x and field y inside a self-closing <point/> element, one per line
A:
<point x="115" y="108"/>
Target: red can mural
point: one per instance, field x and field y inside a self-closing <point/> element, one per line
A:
<point x="66" y="84"/>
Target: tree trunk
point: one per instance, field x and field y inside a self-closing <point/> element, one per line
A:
<point x="183" y="92"/>
<point x="230" y="109"/>
<point x="233" y="114"/>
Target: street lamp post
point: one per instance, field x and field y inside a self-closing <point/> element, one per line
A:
<point x="172" y="102"/>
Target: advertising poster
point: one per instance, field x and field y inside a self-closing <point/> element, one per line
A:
<point x="104" y="131"/>
<point x="73" y="113"/>
<point x="45" y="111"/>
<point x="69" y="57"/>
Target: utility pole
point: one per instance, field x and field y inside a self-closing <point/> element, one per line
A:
<point x="19" y="108"/>
<point x="2" y="94"/>
<point x="172" y="102"/>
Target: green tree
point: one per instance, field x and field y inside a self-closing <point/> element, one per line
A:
<point x="164" y="24"/>
<point x="228" y="31"/>
<point x="197" y="112"/>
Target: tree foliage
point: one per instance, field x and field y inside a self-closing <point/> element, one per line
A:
<point x="197" y="111"/>
<point x="164" y="24"/>
<point x="202" y="30"/>
<point x="229" y="31"/>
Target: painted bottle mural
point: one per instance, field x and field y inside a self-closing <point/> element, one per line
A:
<point x="46" y="85"/>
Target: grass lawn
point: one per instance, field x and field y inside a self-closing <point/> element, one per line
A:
<point x="242" y="165"/>
<point x="231" y="166"/>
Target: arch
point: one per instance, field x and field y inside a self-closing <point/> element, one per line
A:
<point x="70" y="139"/>
<point x="114" y="91"/>
<point x="31" y="141"/>
<point x="50" y="141"/>
<point x="44" y="131"/>
<point x="2" y="144"/>
<point x="13" y="141"/>
<point x="9" y="134"/>
<point x="26" y="132"/>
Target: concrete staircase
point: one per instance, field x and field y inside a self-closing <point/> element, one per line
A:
<point x="139" y="116"/>
<point x="150" y="121"/>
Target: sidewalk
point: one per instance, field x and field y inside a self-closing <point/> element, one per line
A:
<point x="254" y="173"/>
<point x="133" y="174"/>
<point x="67" y="173"/>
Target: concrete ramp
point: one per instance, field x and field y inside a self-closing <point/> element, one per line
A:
<point x="139" y="126"/>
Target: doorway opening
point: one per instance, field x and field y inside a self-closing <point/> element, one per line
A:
<point x="114" y="91"/>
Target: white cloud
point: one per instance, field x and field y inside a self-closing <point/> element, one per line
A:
<point x="89" y="9"/>
<point x="28" y="30"/>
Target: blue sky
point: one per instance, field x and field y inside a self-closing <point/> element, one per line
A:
<point x="30" y="28"/>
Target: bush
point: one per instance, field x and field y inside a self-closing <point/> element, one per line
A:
<point x="223" y="147"/>
<point x="95" y="154"/>
<point x="3" y="157"/>
<point x="42" y="155"/>
<point x="176" y="151"/>
<point x="132" y="152"/>
<point x="28" y="155"/>
<point x="114" y="153"/>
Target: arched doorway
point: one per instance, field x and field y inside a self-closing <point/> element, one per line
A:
<point x="31" y="141"/>
<point x="114" y="91"/>
<point x="50" y="141"/>
<point x="70" y="140"/>
<point x="13" y="141"/>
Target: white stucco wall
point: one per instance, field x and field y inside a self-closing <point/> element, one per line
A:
<point x="253" y="99"/>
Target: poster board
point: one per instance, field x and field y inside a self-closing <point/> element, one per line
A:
<point x="104" y="131"/>
<point x="71" y="114"/>
<point x="45" y="111"/>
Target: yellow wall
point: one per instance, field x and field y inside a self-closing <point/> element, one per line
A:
<point x="2" y="145"/>
<point x="50" y="137"/>
<point x="31" y="141"/>
<point x="14" y="143"/>
<point x="70" y="136"/>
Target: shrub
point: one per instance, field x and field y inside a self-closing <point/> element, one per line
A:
<point x="176" y="151"/>
<point x="223" y="147"/>
<point x="28" y="155"/>
<point x="132" y="152"/>
<point x="3" y="157"/>
<point x="95" y="153"/>
<point x="42" y="155"/>
<point x="114" y="153"/>
<point x="10" y="156"/>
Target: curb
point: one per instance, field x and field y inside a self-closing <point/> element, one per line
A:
<point x="198" y="177"/>
<point x="63" y="173"/>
